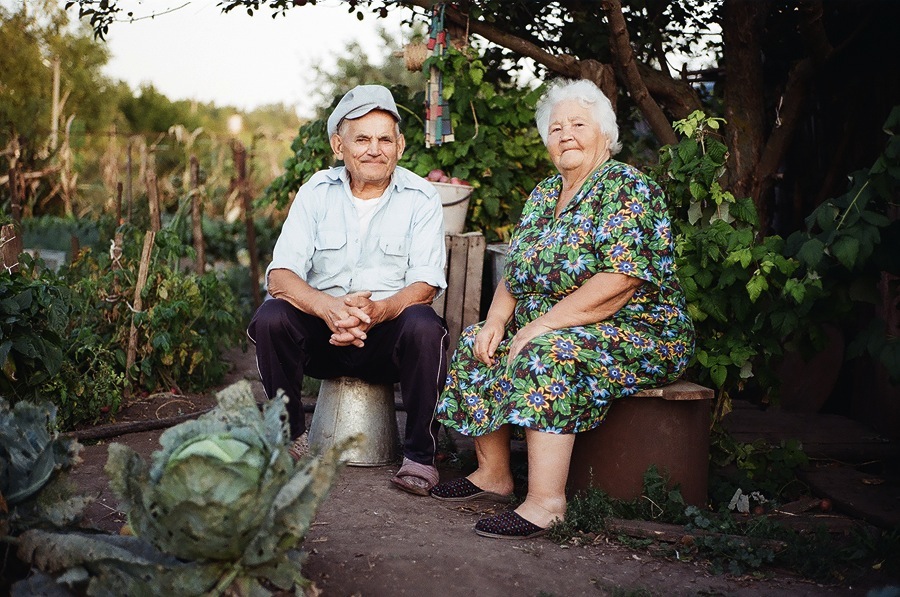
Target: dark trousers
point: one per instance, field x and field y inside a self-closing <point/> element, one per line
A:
<point x="410" y="349"/>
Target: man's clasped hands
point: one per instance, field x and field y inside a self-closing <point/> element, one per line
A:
<point x="350" y="317"/>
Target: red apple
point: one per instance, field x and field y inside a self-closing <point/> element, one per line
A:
<point x="459" y="181"/>
<point x="436" y="175"/>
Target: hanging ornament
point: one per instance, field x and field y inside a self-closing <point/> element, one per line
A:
<point x="438" y="129"/>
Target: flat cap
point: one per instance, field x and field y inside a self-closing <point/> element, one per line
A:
<point x="359" y="101"/>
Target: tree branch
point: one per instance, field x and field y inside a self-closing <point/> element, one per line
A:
<point x="564" y="65"/>
<point x="812" y="27"/>
<point x="624" y="56"/>
<point x="676" y="95"/>
<point x="792" y="100"/>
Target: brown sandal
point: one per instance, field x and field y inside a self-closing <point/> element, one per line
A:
<point x="416" y="478"/>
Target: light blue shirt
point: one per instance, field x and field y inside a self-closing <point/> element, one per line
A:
<point x="320" y="240"/>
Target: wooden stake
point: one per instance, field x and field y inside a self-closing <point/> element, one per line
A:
<point x="119" y="204"/>
<point x="74" y="247"/>
<point x="153" y="197"/>
<point x="128" y="179"/>
<point x="143" y="272"/>
<point x="197" y="217"/>
<point x="243" y="186"/>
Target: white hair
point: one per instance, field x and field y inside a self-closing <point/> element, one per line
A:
<point x="590" y="96"/>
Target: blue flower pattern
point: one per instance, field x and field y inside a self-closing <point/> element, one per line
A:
<point x="564" y="381"/>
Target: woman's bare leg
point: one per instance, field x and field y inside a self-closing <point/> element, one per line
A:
<point x="548" y="468"/>
<point x="493" y="453"/>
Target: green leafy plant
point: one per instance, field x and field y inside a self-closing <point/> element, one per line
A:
<point x="186" y="320"/>
<point x="497" y="149"/>
<point x="744" y="296"/>
<point x="852" y="243"/>
<point x="88" y="386"/>
<point x="221" y="510"/>
<point x="33" y="458"/>
<point x="729" y="546"/>
<point x="34" y="315"/>
<point x="728" y="542"/>
<point x="759" y="466"/>
<point x="590" y="509"/>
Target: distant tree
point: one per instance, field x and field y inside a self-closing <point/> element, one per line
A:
<point x="39" y="45"/>
<point x="152" y="112"/>
<point x="357" y="67"/>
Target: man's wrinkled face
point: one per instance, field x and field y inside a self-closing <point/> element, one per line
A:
<point x="370" y="147"/>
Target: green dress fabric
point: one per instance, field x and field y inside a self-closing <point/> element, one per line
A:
<point x="564" y="381"/>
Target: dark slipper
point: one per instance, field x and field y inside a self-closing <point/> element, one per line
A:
<point x="463" y="490"/>
<point x="415" y="478"/>
<point x="508" y="525"/>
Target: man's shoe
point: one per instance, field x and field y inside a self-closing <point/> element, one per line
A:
<point x="300" y="446"/>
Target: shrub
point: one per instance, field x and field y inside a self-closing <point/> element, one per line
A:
<point x="185" y="323"/>
<point x="744" y="295"/>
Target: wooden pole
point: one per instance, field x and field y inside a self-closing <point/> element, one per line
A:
<point x="74" y="247"/>
<point x="153" y="198"/>
<point x="128" y="179"/>
<point x="143" y="273"/>
<point x="118" y="204"/>
<point x="243" y="186"/>
<point x="55" y="108"/>
<point x="197" y="217"/>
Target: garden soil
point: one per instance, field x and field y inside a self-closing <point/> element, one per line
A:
<point x="371" y="539"/>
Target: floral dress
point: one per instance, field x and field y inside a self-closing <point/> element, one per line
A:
<point x="564" y="380"/>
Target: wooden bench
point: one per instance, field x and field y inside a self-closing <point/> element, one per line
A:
<point x="666" y="426"/>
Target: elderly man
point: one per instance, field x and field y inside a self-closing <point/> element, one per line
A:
<point x="359" y="259"/>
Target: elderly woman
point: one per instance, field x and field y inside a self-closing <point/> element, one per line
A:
<point x="589" y="311"/>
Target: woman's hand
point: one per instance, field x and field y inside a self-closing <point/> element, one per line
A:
<point x="524" y="336"/>
<point x="487" y="341"/>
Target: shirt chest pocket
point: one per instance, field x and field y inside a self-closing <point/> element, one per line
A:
<point x="394" y="254"/>
<point x="329" y="256"/>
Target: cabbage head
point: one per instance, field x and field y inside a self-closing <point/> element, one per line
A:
<point x="222" y="486"/>
<point x="33" y="460"/>
<point x="221" y="510"/>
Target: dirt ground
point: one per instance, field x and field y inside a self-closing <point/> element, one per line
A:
<point x="371" y="539"/>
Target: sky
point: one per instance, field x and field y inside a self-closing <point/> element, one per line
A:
<point x="199" y="53"/>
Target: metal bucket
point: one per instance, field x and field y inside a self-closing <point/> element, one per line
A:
<point x="347" y="406"/>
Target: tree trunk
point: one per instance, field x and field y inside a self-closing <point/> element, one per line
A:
<point x="742" y="31"/>
<point x="620" y="45"/>
<point x="10" y="248"/>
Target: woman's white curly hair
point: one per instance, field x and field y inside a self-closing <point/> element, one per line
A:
<point x="590" y="97"/>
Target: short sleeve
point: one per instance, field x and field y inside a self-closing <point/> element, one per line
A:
<point x="632" y="233"/>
